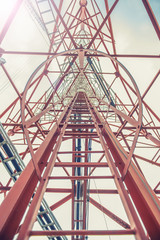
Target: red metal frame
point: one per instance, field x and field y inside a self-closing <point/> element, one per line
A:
<point x="117" y="129"/>
<point x="152" y="225"/>
<point x="152" y="17"/>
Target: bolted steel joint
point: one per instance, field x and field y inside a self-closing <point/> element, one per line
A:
<point x="83" y="3"/>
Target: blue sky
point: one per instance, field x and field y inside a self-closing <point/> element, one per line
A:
<point x="134" y="10"/>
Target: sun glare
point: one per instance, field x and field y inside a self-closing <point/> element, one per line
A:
<point x="5" y="10"/>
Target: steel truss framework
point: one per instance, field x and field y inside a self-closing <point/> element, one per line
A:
<point x="80" y="127"/>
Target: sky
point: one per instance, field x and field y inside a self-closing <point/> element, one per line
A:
<point x="133" y="33"/>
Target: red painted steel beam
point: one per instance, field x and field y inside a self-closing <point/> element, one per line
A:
<point x="135" y="107"/>
<point x="100" y="159"/>
<point x="82" y="232"/>
<point x="11" y="81"/>
<point x="79" y="22"/>
<point x="146" y="91"/>
<point x="61" y="202"/>
<point x="157" y="191"/>
<point x="78" y="126"/>
<point x="110" y="27"/>
<point x="73" y="186"/>
<point x="35" y="53"/>
<point x="19" y="196"/>
<point x="158" y="184"/>
<point x="141" y="193"/>
<point x="4" y="188"/>
<point x="83" y="134"/>
<point x="147" y="160"/>
<point x="144" y="127"/>
<point x="80" y="164"/>
<point x="103" y="191"/>
<point x="80" y="177"/>
<point x="3" y="52"/>
<point x="151" y="111"/>
<point x="151" y="84"/>
<point x="102" y="24"/>
<point x="64" y="24"/>
<point x="12" y="124"/>
<point x="91" y="191"/>
<point x="70" y="152"/>
<point x="59" y="83"/>
<point x="102" y="40"/>
<point x="55" y="27"/>
<point x="64" y="167"/>
<point x="58" y="190"/>
<point x="20" y="97"/>
<point x="130" y="210"/>
<point x="134" y="56"/>
<point x="110" y="214"/>
<point x="35" y="204"/>
<point x="152" y="17"/>
<point x="9" y="107"/>
<point x="85" y="188"/>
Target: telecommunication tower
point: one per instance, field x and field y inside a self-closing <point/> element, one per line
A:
<point x="79" y="136"/>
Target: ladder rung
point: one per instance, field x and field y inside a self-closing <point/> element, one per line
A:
<point x="78" y="220"/>
<point x="40" y="1"/>
<point x="52" y="21"/>
<point x="16" y="174"/>
<point x="2" y="143"/>
<point x="46" y="11"/>
<point x="42" y="212"/>
<point x="53" y="33"/>
<point x="48" y="224"/>
<point x="8" y="159"/>
<point x="56" y="43"/>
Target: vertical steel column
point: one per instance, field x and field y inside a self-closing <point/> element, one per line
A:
<point x="79" y="201"/>
<point x="19" y="196"/>
<point x="33" y="209"/>
<point x="78" y="195"/>
<point x="73" y="183"/>
<point x="141" y="193"/>
<point x="85" y="188"/>
<point x="78" y="172"/>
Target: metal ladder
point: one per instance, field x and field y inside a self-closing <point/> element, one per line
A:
<point x="14" y="166"/>
<point x="49" y="20"/>
<point x="46" y="17"/>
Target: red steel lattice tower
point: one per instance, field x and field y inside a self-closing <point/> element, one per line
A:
<point x="79" y="143"/>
